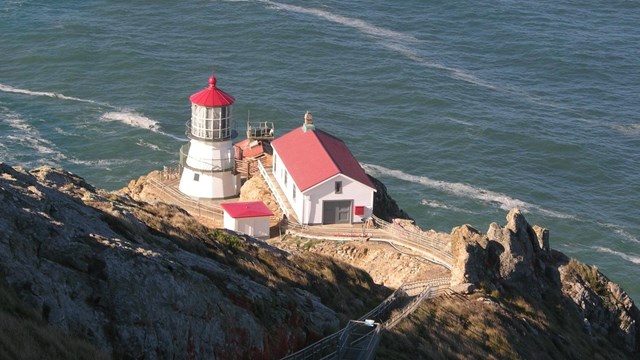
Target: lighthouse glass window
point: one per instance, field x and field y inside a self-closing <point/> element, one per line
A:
<point x="200" y="123"/>
<point x="210" y="123"/>
<point x="223" y="116"/>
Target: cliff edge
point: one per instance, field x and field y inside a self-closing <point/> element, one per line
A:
<point x="140" y="280"/>
<point x="146" y="280"/>
<point x="518" y="298"/>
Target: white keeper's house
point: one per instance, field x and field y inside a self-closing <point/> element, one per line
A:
<point x="320" y="178"/>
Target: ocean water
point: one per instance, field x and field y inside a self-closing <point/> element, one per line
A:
<point x="464" y="109"/>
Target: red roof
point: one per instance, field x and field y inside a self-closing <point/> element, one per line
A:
<point x="314" y="156"/>
<point x="212" y="96"/>
<point x="246" y="209"/>
<point x="248" y="150"/>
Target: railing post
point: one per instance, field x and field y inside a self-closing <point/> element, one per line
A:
<point x="274" y="190"/>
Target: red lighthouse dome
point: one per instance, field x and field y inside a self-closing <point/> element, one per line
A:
<point x="212" y="96"/>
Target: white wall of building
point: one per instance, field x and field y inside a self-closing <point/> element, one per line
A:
<point x="209" y="185"/>
<point x="308" y="205"/>
<point x="209" y="156"/>
<point x="358" y="193"/>
<point x="257" y="227"/>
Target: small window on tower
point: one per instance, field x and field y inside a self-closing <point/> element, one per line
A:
<point x="338" y="187"/>
<point x="196" y="177"/>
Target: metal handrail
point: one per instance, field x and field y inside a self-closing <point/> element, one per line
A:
<point x="327" y="347"/>
<point x="433" y="246"/>
<point x="273" y="189"/>
<point x="263" y="130"/>
<point x="212" y="212"/>
<point x="213" y="135"/>
<point x="407" y="233"/>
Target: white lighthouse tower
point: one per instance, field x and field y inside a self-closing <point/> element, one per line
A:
<point x="207" y="160"/>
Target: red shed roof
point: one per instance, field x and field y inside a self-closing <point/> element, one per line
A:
<point x="314" y="156"/>
<point x="250" y="148"/>
<point x="246" y="209"/>
<point x="212" y="96"/>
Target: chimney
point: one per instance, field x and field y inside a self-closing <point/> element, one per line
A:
<point x="308" y="122"/>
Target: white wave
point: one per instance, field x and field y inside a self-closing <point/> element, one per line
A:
<point x="461" y="122"/>
<point x="132" y="119"/>
<point x="123" y="115"/>
<point x="627" y="129"/>
<point x="64" y="132"/>
<point x="456" y="73"/>
<point x="148" y="145"/>
<point x="393" y="41"/>
<point x="154" y="147"/>
<point x="624" y="234"/>
<point x="358" y="24"/>
<point x="40" y="145"/>
<point x="465" y="76"/>
<point x="631" y="258"/>
<point x="30" y="137"/>
<point x="440" y="205"/>
<point x="11" y="89"/>
<point x="179" y="138"/>
<point x="102" y="163"/>
<point x="464" y="190"/>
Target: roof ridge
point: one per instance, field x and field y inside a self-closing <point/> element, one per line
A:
<point x="329" y="153"/>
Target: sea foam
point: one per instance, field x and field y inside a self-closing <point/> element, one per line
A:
<point x="30" y="137"/>
<point x="440" y="205"/>
<point x="125" y="116"/>
<point x="11" y="89"/>
<point x="358" y="24"/>
<point x="631" y="258"/>
<point x="464" y="190"/>
<point x="627" y="129"/>
<point x="624" y="234"/>
<point x="132" y="119"/>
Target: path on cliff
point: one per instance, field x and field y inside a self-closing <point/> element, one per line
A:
<point x="360" y="337"/>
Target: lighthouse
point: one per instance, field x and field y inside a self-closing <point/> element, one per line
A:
<point x="207" y="161"/>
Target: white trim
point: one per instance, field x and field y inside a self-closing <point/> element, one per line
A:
<point x="333" y="177"/>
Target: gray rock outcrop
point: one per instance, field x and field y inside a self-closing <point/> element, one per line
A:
<point x="518" y="256"/>
<point x="147" y="281"/>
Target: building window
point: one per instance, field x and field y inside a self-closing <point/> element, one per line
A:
<point x="294" y="193"/>
<point x="274" y="164"/>
<point x="285" y="178"/>
<point x="196" y="177"/>
<point x="338" y="187"/>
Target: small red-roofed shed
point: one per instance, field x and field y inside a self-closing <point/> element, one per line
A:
<point x="251" y="218"/>
<point x="320" y="177"/>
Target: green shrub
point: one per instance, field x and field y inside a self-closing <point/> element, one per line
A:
<point x="232" y="242"/>
<point x="590" y="275"/>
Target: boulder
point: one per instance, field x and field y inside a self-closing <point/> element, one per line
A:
<point x="468" y="247"/>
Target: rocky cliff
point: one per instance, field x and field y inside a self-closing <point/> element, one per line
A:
<point x="517" y="258"/>
<point x="142" y="280"/>
<point x="145" y="280"/>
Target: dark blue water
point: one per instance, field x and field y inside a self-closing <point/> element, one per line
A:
<point x="463" y="109"/>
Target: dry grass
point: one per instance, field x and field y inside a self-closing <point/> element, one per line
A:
<point x="589" y="275"/>
<point x="482" y="327"/>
